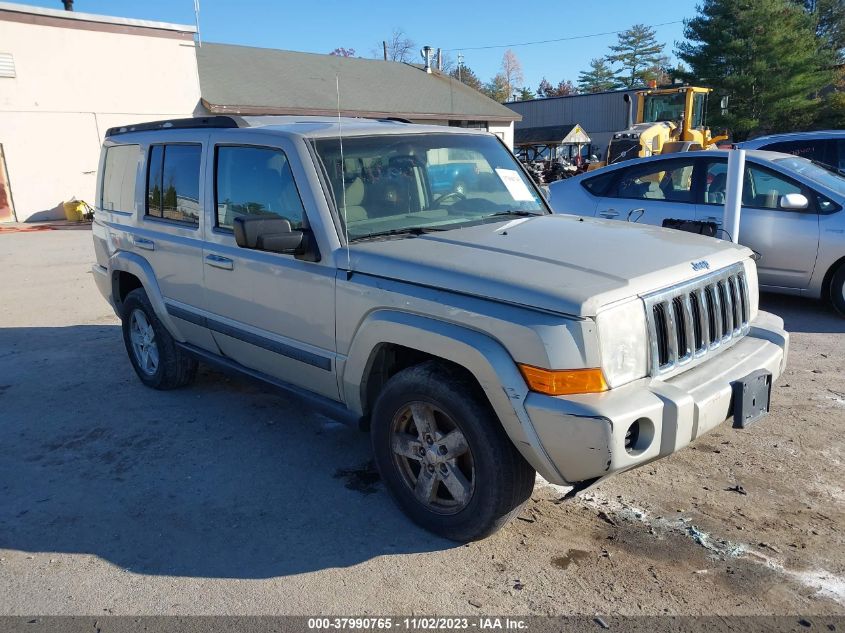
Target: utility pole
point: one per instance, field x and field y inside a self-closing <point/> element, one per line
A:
<point x="460" y="66"/>
<point x="384" y="46"/>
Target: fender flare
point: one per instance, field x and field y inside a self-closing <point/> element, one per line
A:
<point x="484" y="357"/>
<point x="123" y="261"/>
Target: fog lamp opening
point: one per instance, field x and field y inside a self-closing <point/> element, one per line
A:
<point x="638" y="436"/>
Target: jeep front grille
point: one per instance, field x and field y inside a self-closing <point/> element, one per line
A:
<point x="691" y="320"/>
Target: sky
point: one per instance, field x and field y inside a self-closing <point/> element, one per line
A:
<point x="320" y="26"/>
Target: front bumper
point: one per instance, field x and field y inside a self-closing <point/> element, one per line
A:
<point x="584" y="436"/>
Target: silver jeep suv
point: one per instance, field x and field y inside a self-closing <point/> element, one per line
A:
<point x="477" y="336"/>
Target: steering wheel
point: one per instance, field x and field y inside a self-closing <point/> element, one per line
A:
<point x="458" y="195"/>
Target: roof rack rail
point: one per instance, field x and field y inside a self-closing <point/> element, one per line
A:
<point x="176" y="124"/>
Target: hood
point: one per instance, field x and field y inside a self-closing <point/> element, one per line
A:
<point x="561" y="263"/>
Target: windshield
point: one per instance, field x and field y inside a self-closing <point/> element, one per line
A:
<point x="397" y="183"/>
<point x="664" y="107"/>
<point x="814" y="172"/>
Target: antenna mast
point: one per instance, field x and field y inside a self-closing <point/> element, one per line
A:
<point x="343" y="179"/>
<point x="197" y="18"/>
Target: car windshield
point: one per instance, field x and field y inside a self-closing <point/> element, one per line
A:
<point x="406" y="184"/>
<point x="825" y="176"/>
<point x="666" y="107"/>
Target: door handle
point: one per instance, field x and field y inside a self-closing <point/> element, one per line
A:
<point x="609" y="213"/>
<point x="143" y="242"/>
<point x="636" y="214"/>
<point x="220" y="262"/>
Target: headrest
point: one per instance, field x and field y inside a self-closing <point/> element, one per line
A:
<point x="355" y="193"/>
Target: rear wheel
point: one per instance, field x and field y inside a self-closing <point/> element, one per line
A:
<point x="837" y="289"/>
<point x="156" y="358"/>
<point x="444" y="456"/>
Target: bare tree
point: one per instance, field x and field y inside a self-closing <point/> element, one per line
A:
<point x="511" y="73"/>
<point x="400" y="47"/>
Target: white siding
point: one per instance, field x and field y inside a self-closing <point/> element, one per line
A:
<point x="71" y="85"/>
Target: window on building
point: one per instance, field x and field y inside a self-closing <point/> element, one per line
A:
<point x="255" y="181"/>
<point x="119" y="172"/>
<point x="173" y="182"/>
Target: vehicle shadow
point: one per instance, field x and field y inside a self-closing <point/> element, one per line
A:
<point x="222" y="479"/>
<point x="800" y="314"/>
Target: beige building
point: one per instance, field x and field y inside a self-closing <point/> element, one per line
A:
<point x="66" y="77"/>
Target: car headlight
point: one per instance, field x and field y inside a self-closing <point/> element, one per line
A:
<point x="753" y="287"/>
<point x="623" y="341"/>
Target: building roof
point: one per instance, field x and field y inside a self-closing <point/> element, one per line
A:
<point x="246" y="80"/>
<point x="550" y="135"/>
<point x="75" y="19"/>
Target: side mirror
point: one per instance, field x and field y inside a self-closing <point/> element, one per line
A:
<point x="547" y="193"/>
<point x="267" y="234"/>
<point x="794" y="201"/>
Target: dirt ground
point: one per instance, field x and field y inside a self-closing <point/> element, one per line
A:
<point x="227" y="498"/>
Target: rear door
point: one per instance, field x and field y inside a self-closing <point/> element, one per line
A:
<point x="787" y="240"/>
<point x="652" y="192"/>
<point x="170" y="233"/>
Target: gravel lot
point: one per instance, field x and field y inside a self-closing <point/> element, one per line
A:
<point x="227" y="498"/>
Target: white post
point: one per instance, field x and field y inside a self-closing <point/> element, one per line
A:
<point x="733" y="193"/>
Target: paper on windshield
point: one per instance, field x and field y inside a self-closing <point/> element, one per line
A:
<point x="516" y="186"/>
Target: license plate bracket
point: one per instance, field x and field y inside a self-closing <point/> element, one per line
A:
<point x="751" y="398"/>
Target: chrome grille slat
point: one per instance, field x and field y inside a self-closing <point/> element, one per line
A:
<point x="691" y="320"/>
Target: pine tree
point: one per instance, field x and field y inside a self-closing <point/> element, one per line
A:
<point x="525" y="94"/>
<point x="465" y="75"/>
<point x="637" y="53"/>
<point x="830" y="22"/>
<point x="764" y="56"/>
<point x="599" y="78"/>
<point x="498" y="89"/>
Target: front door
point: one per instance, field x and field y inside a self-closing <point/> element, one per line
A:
<point x="787" y="240"/>
<point x="652" y="192"/>
<point x="269" y="312"/>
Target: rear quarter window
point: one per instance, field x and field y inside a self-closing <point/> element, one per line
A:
<point x="120" y="170"/>
<point x="598" y="185"/>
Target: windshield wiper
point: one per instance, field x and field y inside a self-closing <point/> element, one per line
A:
<point x="513" y="212"/>
<point x="412" y="231"/>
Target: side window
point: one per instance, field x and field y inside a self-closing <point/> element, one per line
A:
<point x="173" y="182"/>
<point x="840" y="155"/>
<point x="715" y="182"/>
<point x="598" y="185"/>
<point x="255" y="181"/>
<point x="763" y="189"/>
<point x="670" y="181"/>
<point x="119" y="171"/>
<point x="810" y="149"/>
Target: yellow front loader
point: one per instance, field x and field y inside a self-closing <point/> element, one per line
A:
<point x="668" y="120"/>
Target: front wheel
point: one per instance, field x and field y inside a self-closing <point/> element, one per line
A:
<point x="444" y="456"/>
<point x="837" y="289"/>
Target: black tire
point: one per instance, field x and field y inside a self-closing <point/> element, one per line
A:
<point x="501" y="479"/>
<point x="173" y="368"/>
<point x="837" y="289"/>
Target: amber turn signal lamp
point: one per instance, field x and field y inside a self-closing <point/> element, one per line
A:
<point x="562" y="382"/>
